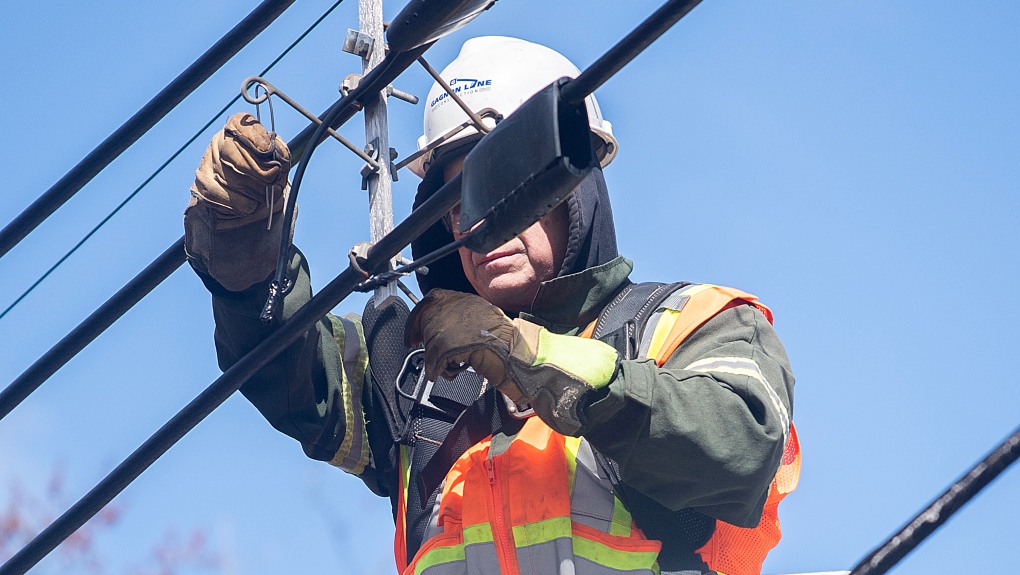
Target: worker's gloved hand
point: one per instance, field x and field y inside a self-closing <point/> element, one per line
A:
<point x="554" y="373"/>
<point x="240" y="189"/>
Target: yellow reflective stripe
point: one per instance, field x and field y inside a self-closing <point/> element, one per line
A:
<point x="621" y="522"/>
<point x="352" y="387"/>
<point x="668" y="319"/>
<point x="405" y="467"/>
<point x="360" y="364"/>
<point x="662" y="329"/>
<point x="570" y="450"/>
<point x="590" y="360"/>
<point x="438" y="556"/>
<point x="481" y="533"/>
<point x="614" y="558"/>
<point x="538" y="533"/>
<point x="541" y="531"/>
<point x="473" y="534"/>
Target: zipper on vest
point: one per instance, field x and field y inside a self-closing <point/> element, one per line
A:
<point x="501" y="529"/>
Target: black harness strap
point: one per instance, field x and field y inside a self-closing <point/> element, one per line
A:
<point x="481" y="419"/>
<point x="429" y="422"/>
<point x="384" y="338"/>
<point x="623" y="324"/>
<point x="398" y="389"/>
<point x="620" y="322"/>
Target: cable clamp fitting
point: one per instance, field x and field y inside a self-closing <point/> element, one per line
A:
<point x="359" y="256"/>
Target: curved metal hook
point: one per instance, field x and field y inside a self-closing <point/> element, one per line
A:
<point x="272" y="90"/>
<point x="258" y="82"/>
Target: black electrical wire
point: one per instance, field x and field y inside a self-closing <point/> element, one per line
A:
<point x="91" y="327"/>
<point x="376" y="261"/>
<point x="939" y="511"/>
<point x="124" y="299"/>
<point x="159" y="106"/>
<point x="368" y="87"/>
<point x="172" y="157"/>
<point x="627" y="49"/>
<point x="333" y="293"/>
<point x="101" y="319"/>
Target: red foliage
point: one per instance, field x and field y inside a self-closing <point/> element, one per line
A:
<point x="27" y="513"/>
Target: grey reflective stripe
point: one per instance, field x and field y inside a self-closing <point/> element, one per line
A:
<point x="587" y="567"/>
<point x="557" y="557"/>
<point x="554" y="557"/>
<point x="352" y="344"/>
<point x="591" y="498"/>
<point x="645" y="338"/>
<point x="432" y="528"/>
<point x="481" y="559"/>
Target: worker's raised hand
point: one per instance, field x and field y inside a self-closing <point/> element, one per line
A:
<point x="243" y="173"/>
<point x="232" y="224"/>
<point x="529" y="364"/>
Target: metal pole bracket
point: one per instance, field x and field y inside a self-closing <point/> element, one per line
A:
<point x="358" y="43"/>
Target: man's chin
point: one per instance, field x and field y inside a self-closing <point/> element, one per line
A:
<point x="510" y="291"/>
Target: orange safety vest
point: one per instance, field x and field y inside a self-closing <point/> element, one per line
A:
<point x="542" y="507"/>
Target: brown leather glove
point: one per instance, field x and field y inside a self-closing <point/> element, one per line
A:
<point x="240" y="182"/>
<point x="526" y="362"/>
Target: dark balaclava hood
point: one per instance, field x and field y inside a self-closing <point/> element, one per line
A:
<point x="591" y="241"/>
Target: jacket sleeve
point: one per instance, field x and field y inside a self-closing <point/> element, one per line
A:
<point x="706" y="430"/>
<point x="316" y="390"/>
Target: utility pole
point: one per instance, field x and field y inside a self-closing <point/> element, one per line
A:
<point x="380" y="189"/>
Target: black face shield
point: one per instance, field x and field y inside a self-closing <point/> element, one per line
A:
<point x="591" y="237"/>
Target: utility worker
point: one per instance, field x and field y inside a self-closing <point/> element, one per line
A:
<point x="558" y="418"/>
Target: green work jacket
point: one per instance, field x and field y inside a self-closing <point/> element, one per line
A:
<point x="684" y="438"/>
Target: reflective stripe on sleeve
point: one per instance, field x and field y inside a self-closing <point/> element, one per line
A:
<point x="354" y="452"/>
<point x="746" y="367"/>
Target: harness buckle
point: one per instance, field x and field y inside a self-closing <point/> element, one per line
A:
<point x="517" y="411"/>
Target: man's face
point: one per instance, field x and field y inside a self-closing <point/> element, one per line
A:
<point x="509" y="275"/>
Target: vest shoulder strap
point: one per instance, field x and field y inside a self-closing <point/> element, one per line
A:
<point x="684" y="311"/>
<point x="621" y="322"/>
<point x="652" y="320"/>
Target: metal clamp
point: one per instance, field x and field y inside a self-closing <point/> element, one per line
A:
<point x="351" y="82"/>
<point x="357" y="257"/>
<point x="517" y="411"/>
<point x="368" y="169"/>
<point x="358" y="43"/>
<point x="271" y="90"/>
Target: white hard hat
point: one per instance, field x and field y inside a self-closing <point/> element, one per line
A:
<point x="499" y="73"/>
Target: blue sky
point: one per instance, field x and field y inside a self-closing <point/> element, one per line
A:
<point x="854" y="164"/>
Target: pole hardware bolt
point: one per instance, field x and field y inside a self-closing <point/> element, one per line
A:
<point x="358" y="43"/>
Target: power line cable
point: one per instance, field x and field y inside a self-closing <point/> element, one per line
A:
<point x="145" y="118"/>
<point x="172" y="157"/>
<point x="886" y="556"/>
<point x="376" y="261"/>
